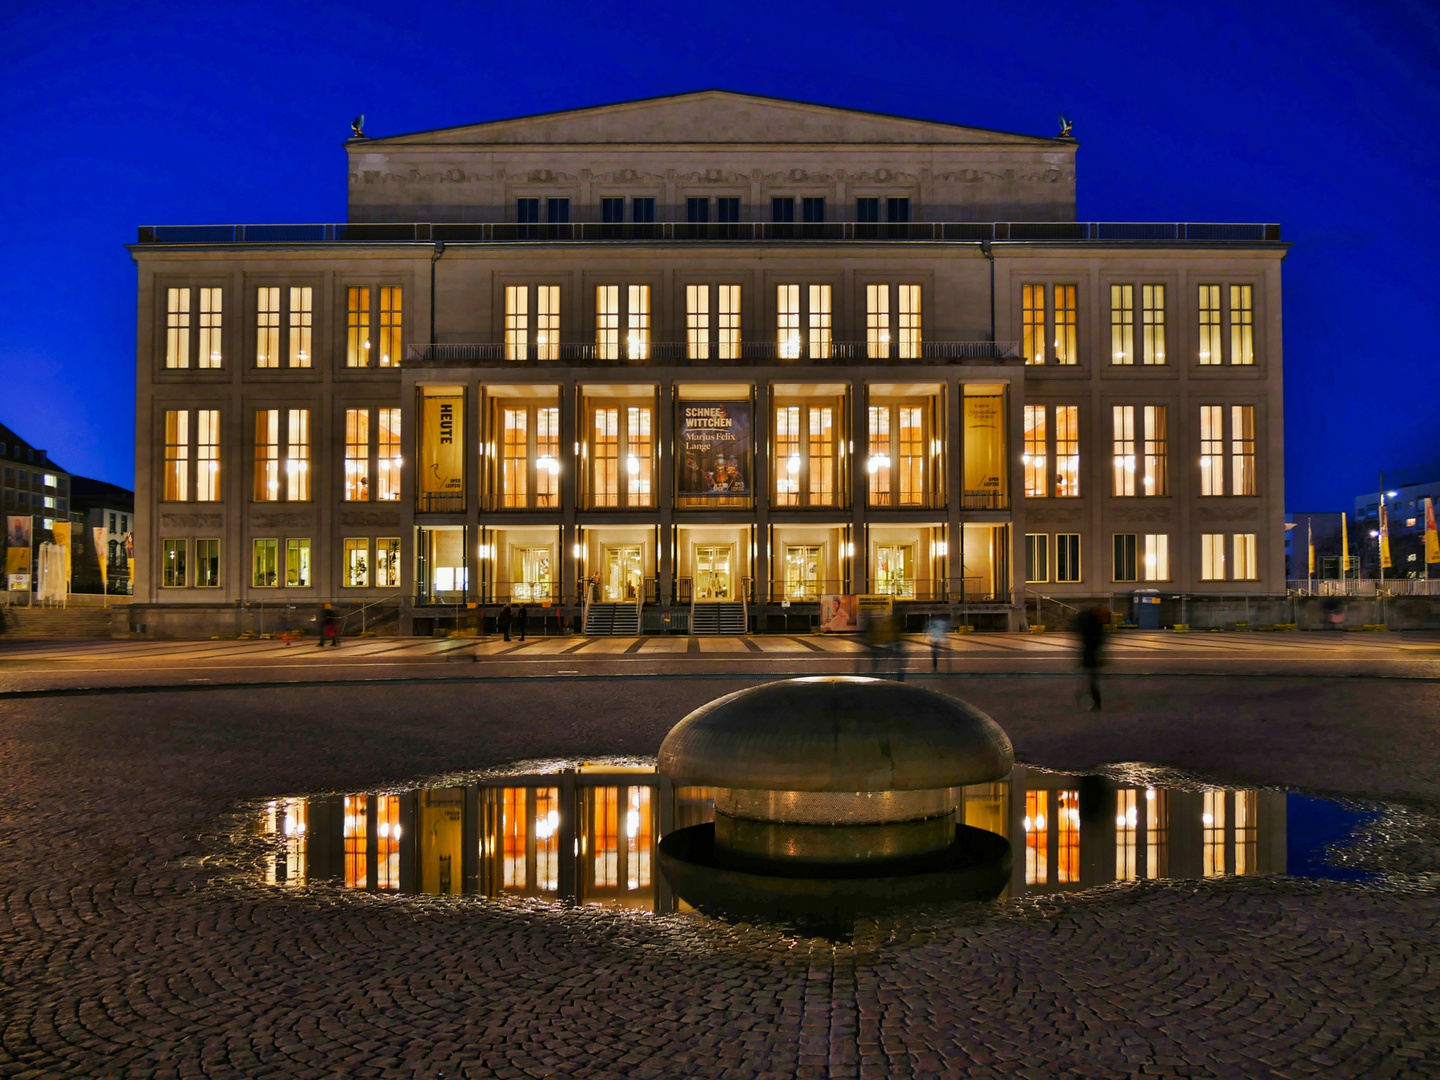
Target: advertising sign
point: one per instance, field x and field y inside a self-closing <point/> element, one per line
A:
<point x="714" y="449"/>
<point x="102" y="556"/>
<point x="19" y="538"/>
<point x="1432" y="539"/>
<point x="839" y="614"/>
<point x="61" y="532"/>
<point x="442" y="462"/>
<point x="984" y="461"/>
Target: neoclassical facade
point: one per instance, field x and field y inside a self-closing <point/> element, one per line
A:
<point x="707" y="357"/>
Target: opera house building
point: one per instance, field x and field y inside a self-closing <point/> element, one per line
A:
<point x="700" y="363"/>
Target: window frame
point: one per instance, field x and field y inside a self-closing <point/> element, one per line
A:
<point x="199" y="563"/>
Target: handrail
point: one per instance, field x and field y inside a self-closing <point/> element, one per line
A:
<point x="365" y="607"/>
<point x="678" y="353"/>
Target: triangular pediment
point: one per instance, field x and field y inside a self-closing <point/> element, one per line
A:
<point x="709" y="117"/>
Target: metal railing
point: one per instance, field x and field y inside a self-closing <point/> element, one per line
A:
<point x="677" y="353"/>
<point x="1365" y="587"/>
<point x="717" y="232"/>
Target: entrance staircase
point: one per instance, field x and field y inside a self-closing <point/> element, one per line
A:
<point x="603" y="618"/>
<point x="38" y="622"/>
<point x="718" y="617"/>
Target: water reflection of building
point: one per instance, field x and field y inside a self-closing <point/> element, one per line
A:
<point x="589" y="835"/>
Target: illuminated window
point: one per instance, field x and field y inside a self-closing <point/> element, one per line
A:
<point x="605" y="836"/>
<point x="547" y="838"/>
<point x="387" y="562"/>
<point x="697" y="321"/>
<point x="1212" y="820"/>
<point x="1242" y="450"/>
<point x="1122" y="324"/>
<point x="729" y="321"/>
<point x="877" y="462"/>
<point x="1210" y="324"/>
<point x="1242" y="324"/>
<point x="354" y="838"/>
<point x="172" y="564"/>
<point x="357" y="562"/>
<point x="1157" y="834"/>
<point x="211" y="351"/>
<point x="1067" y="557"/>
<point x="1067" y="451"/>
<point x="910" y="341"/>
<point x="820" y="316"/>
<point x="547" y="456"/>
<point x="637" y="338"/>
<point x="877" y="322"/>
<point x="1153" y="302"/>
<point x="297" y="455"/>
<point x="517" y="322"/>
<point x="297" y="563"/>
<point x="267" y="327"/>
<point x="387" y="471"/>
<point x="1157" y="464"/>
<point x="391" y="321"/>
<point x="265" y="563"/>
<point x="1067" y="829"/>
<point x="267" y="455"/>
<point x="1212" y="557"/>
<point x="207" y="563"/>
<point x="638" y="839"/>
<point x="912" y="455"/>
<point x="1037" y="838"/>
<point x="1033" y="314"/>
<point x="821" y="464"/>
<point x="788" y="462"/>
<point x="387" y="841"/>
<point x="207" y="455"/>
<point x="1157" y="557"/>
<point x="787" y="307"/>
<point x="547" y="322"/>
<point x="1037" y="557"/>
<point x="1127" y="821"/>
<point x="177" y="328"/>
<point x="1246" y="832"/>
<point x="637" y="459"/>
<point x="605" y="455"/>
<point x="1033" y="457"/>
<point x="1246" y="568"/>
<point x="514" y="457"/>
<point x="177" y="455"/>
<point x="513" y="822"/>
<point x="1212" y="450"/>
<point x="302" y="319"/>
<point x="1125" y="545"/>
<point x="802" y="571"/>
<point x="357" y="326"/>
<point x="1066" y="325"/>
<point x="1124" y="450"/>
<point x="357" y="455"/>
<point x="607" y="322"/>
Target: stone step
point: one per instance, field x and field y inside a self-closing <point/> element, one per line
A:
<point x="16" y="621"/>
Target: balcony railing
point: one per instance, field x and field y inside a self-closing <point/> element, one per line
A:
<point x="677" y="353"/>
<point x="750" y="232"/>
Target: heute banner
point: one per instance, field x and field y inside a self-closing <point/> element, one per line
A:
<point x="714" y="449"/>
<point x="1432" y="539"/>
<point x="442" y="461"/>
<point x="19" y="539"/>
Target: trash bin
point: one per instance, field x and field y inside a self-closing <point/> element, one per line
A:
<point x="1147" y="609"/>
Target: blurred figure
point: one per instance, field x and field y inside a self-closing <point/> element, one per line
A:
<point x="522" y="616"/>
<point x="329" y="628"/>
<point x="936" y="633"/>
<point x="507" y="616"/>
<point x="1090" y="628"/>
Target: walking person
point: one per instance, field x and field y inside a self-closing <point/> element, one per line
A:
<point x="507" y="616"/>
<point x="1090" y="628"/>
<point x="936" y="632"/>
<point x="520" y="616"/>
<point x="329" y="628"/>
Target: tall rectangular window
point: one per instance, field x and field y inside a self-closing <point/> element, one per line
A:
<point x="607" y="322"/>
<point x="391" y="321"/>
<point x="387" y="562"/>
<point x="1127" y="820"/>
<point x="357" y="326"/>
<point x="297" y="455"/>
<point x="1157" y="557"/>
<point x="1037" y="837"/>
<point x="1246" y="568"/>
<point x="211" y="328"/>
<point x="517" y="322"/>
<point x="1157" y="464"/>
<point x="1242" y="324"/>
<point x="877" y="321"/>
<point x="1123" y="458"/>
<point x="302" y="318"/>
<point x="1246" y="832"/>
<point x="207" y="563"/>
<point x="605" y="448"/>
<point x="265" y="564"/>
<point x="177" y="328"/>
<point x="1125" y="546"/>
<point x="1157" y="833"/>
<point x="1153" y="300"/>
<point x="820" y="322"/>
<point x="1212" y="557"/>
<point x="267" y="455"/>
<point x="1037" y="557"/>
<point x="1122" y="324"/>
<point x="357" y="455"/>
<point x="515" y="457"/>
<point x="547" y="322"/>
<point x="1033" y="455"/>
<point x="1067" y="557"/>
<point x="697" y="210"/>
<point x="637" y="339"/>
<point x="787" y="318"/>
<point x="638" y="436"/>
<point x="387" y="487"/>
<point x="787" y="455"/>
<point x="1209" y="301"/>
<point x="353" y="837"/>
<point x="728" y="327"/>
<point x="297" y="563"/>
<point x="1066" y="325"/>
<point x="909" y="314"/>
<point x="912" y="455"/>
<point x="1212" y="835"/>
<point x="547" y="456"/>
<point x="1067" y="451"/>
<point x="1242" y="450"/>
<point x="207" y="455"/>
<point x="877" y="462"/>
<point x="177" y="455"/>
<point x="1067" y="827"/>
<point x="357" y="562"/>
<point x="697" y="321"/>
<point x="172" y="564"/>
<point x="1212" y="450"/>
<point x="267" y="326"/>
<point x="1032" y="310"/>
<point x="822" y="455"/>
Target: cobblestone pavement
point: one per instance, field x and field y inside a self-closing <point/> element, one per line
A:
<point x="128" y="948"/>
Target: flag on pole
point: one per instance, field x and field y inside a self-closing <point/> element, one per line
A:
<point x="1344" y="546"/>
<point x="1310" y="540"/>
<point x="1432" y="539"/>
<point x="1384" y="536"/>
<point x="102" y="556"/>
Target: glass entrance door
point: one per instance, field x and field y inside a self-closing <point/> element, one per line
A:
<point x="532" y="580"/>
<point x="802" y="572"/>
<point x="895" y="569"/>
<point x="712" y="571"/>
<point x="624" y="573"/>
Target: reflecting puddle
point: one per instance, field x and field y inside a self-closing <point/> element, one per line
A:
<point x="587" y="833"/>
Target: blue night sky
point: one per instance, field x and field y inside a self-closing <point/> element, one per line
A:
<point x="1322" y="116"/>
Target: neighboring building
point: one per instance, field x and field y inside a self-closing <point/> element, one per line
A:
<point x="30" y="483"/>
<point x="96" y="504"/>
<point x="822" y="351"/>
<point x="1405" y="507"/>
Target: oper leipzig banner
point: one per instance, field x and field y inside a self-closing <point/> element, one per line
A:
<point x="19" y="542"/>
<point x="714" y="449"/>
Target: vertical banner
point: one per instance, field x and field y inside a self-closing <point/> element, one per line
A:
<point x="1384" y="536"/>
<point x="61" y="532"/>
<point x="983" y="468"/>
<point x="130" y="558"/>
<point x="19" y="540"/>
<point x="1310" y="542"/>
<point x="1344" y="546"/>
<point x="714" y="449"/>
<point x="442" y="440"/>
<point x="102" y="556"/>
<point x="1432" y="539"/>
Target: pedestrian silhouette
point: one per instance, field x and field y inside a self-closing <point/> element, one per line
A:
<point x="1090" y="628"/>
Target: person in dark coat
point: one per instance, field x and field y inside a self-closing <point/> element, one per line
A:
<point x="520" y="616"/>
<point x="1090" y="628"/>
<point x="329" y="628"/>
<point x="507" y="616"/>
